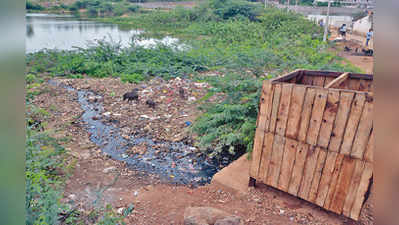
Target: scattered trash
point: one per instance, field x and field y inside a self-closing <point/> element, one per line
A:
<point x="136" y="193"/>
<point x="188" y="123"/>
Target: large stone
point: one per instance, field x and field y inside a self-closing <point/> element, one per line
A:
<point x="208" y="216"/>
<point x="231" y="220"/>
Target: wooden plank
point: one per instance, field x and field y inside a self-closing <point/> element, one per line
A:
<point x="287" y="164"/>
<point x="363" y="85"/>
<point x="294" y="116"/>
<point x="306" y="113"/>
<point x="354" y="84"/>
<point x="276" y="160"/>
<point x="354" y="184"/>
<point x="293" y="80"/>
<point x="297" y="170"/>
<point x="337" y="81"/>
<point x="319" y="81"/>
<point x="282" y="115"/>
<point x="260" y="132"/>
<point x="342" y="188"/>
<point x="328" y="119"/>
<point x="316" y="117"/>
<point x="287" y="77"/>
<point x="369" y="154"/>
<point x="269" y="100"/>
<point x="370" y="87"/>
<point x="361" y="191"/>
<point x="328" y="80"/>
<point x="326" y="178"/>
<point x="276" y="106"/>
<point x="333" y="181"/>
<point x="266" y="155"/>
<point x="363" y="131"/>
<point x="335" y="74"/>
<point x="317" y="174"/>
<point x="353" y="122"/>
<point x="337" y="134"/>
<point x="307" y="80"/>
<point x="310" y="166"/>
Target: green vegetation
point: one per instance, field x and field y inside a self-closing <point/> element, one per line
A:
<point x="33" y="6"/>
<point x="244" y="42"/>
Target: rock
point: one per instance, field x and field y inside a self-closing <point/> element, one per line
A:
<point x="231" y="220"/>
<point x="109" y="169"/>
<point x="207" y="215"/>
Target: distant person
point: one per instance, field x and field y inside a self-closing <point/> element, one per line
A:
<point x="369" y="35"/>
<point x="342" y="30"/>
<point x="321" y="23"/>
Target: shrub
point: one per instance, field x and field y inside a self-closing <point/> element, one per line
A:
<point x="33" y="6"/>
<point x="227" y="9"/>
<point x="132" y="78"/>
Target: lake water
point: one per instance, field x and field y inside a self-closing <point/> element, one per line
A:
<point x="47" y="31"/>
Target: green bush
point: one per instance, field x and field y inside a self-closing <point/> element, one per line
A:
<point x="33" y="6"/>
<point x="132" y="78"/>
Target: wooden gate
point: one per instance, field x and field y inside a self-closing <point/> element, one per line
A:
<point x="314" y="138"/>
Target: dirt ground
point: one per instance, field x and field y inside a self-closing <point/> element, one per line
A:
<point x="98" y="180"/>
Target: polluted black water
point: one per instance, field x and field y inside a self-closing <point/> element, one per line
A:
<point x="176" y="162"/>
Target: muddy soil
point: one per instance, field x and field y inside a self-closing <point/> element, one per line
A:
<point x="99" y="180"/>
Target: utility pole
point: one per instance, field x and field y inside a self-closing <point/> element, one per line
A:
<point x="265" y="4"/>
<point x="327" y="22"/>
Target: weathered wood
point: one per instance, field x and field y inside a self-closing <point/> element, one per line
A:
<point x="369" y="154"/>
<point x="260" y="132"/>
<point x="363" y="131"/>
<point x="362" y="189"/>
<point x="266" y="155"/>
<point x="333" y="181"/>
<point x="363" y="85"/>
<point x="328" y="80"/>
<point x="276" y="160"/>
<point x="316" y="116"/>
<point x="287" y="164"/>
<point x="294" y="116"/>
<point x="269" y="100"/>
<point x="337" y="134"/>
<point x="307" y="80"/>
<point x="275" y="107"/>
<point x="354" y="184"/>
<point x="287" y="77"/>
<point x="336" y="74"/>
<point x="319" y="81"/>
<point x="328" y="118"/>
<point x="310" y="166"/>
<point x="317" y="174"/>
<point x="337" y="81"/>
<point x="282" y="115"/>
<point x="343" y="184"/>
<point x="297" y="170"/>
<point x="353" y="122"/>
<point x="306" y="113"/>
<point x="354" y="84"/>
<point x="326" y="178"/>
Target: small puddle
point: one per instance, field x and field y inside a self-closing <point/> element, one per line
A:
<point x="174" y="162"/>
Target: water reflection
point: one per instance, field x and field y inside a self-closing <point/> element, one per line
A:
<point x="46" y="31"/>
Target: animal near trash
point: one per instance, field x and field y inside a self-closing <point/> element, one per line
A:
<point x="133" y="95"/>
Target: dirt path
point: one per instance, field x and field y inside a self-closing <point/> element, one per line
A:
<point x="99" y="180"/>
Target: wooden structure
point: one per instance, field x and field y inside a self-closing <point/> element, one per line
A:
<point x="314" y="138"/>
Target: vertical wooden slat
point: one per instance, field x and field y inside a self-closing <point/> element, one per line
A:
<point x="354" y="184"/>
<point x="316" y="116"/>
<point x="369" y="154"/>
<point x="337" y="134"/>
<point x="354" y="84"/>
<point x="326" y="178"/>
<point x="266" y="155"/>
<point x="306" y="113"/>
<point x="260" y="131"/>
<point x="363" y="86"/>
<point x="297" y="170"/>
<point x="353" y="122"/>
<point x="307" y="80"/>
<point x="269" y="101"/>
<point x="276" y="106"/>
<point x="275" y="162"/>
<point x="282" y="115"/>
<point x="317" y="174"/>
<point x="363" y="131"/>
<point x="319" y="81"/>
<point x="333" y="181"/>
<point x="294" y="116"/>
<point x="342" y="188"/>
<point x="310" y="166"/>
<point x="287" y="164"/>
<point x="361" y="191"/>
<point x="328" y="119"/>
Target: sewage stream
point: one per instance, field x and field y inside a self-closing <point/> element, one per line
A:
<point x="174" y="162"/>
